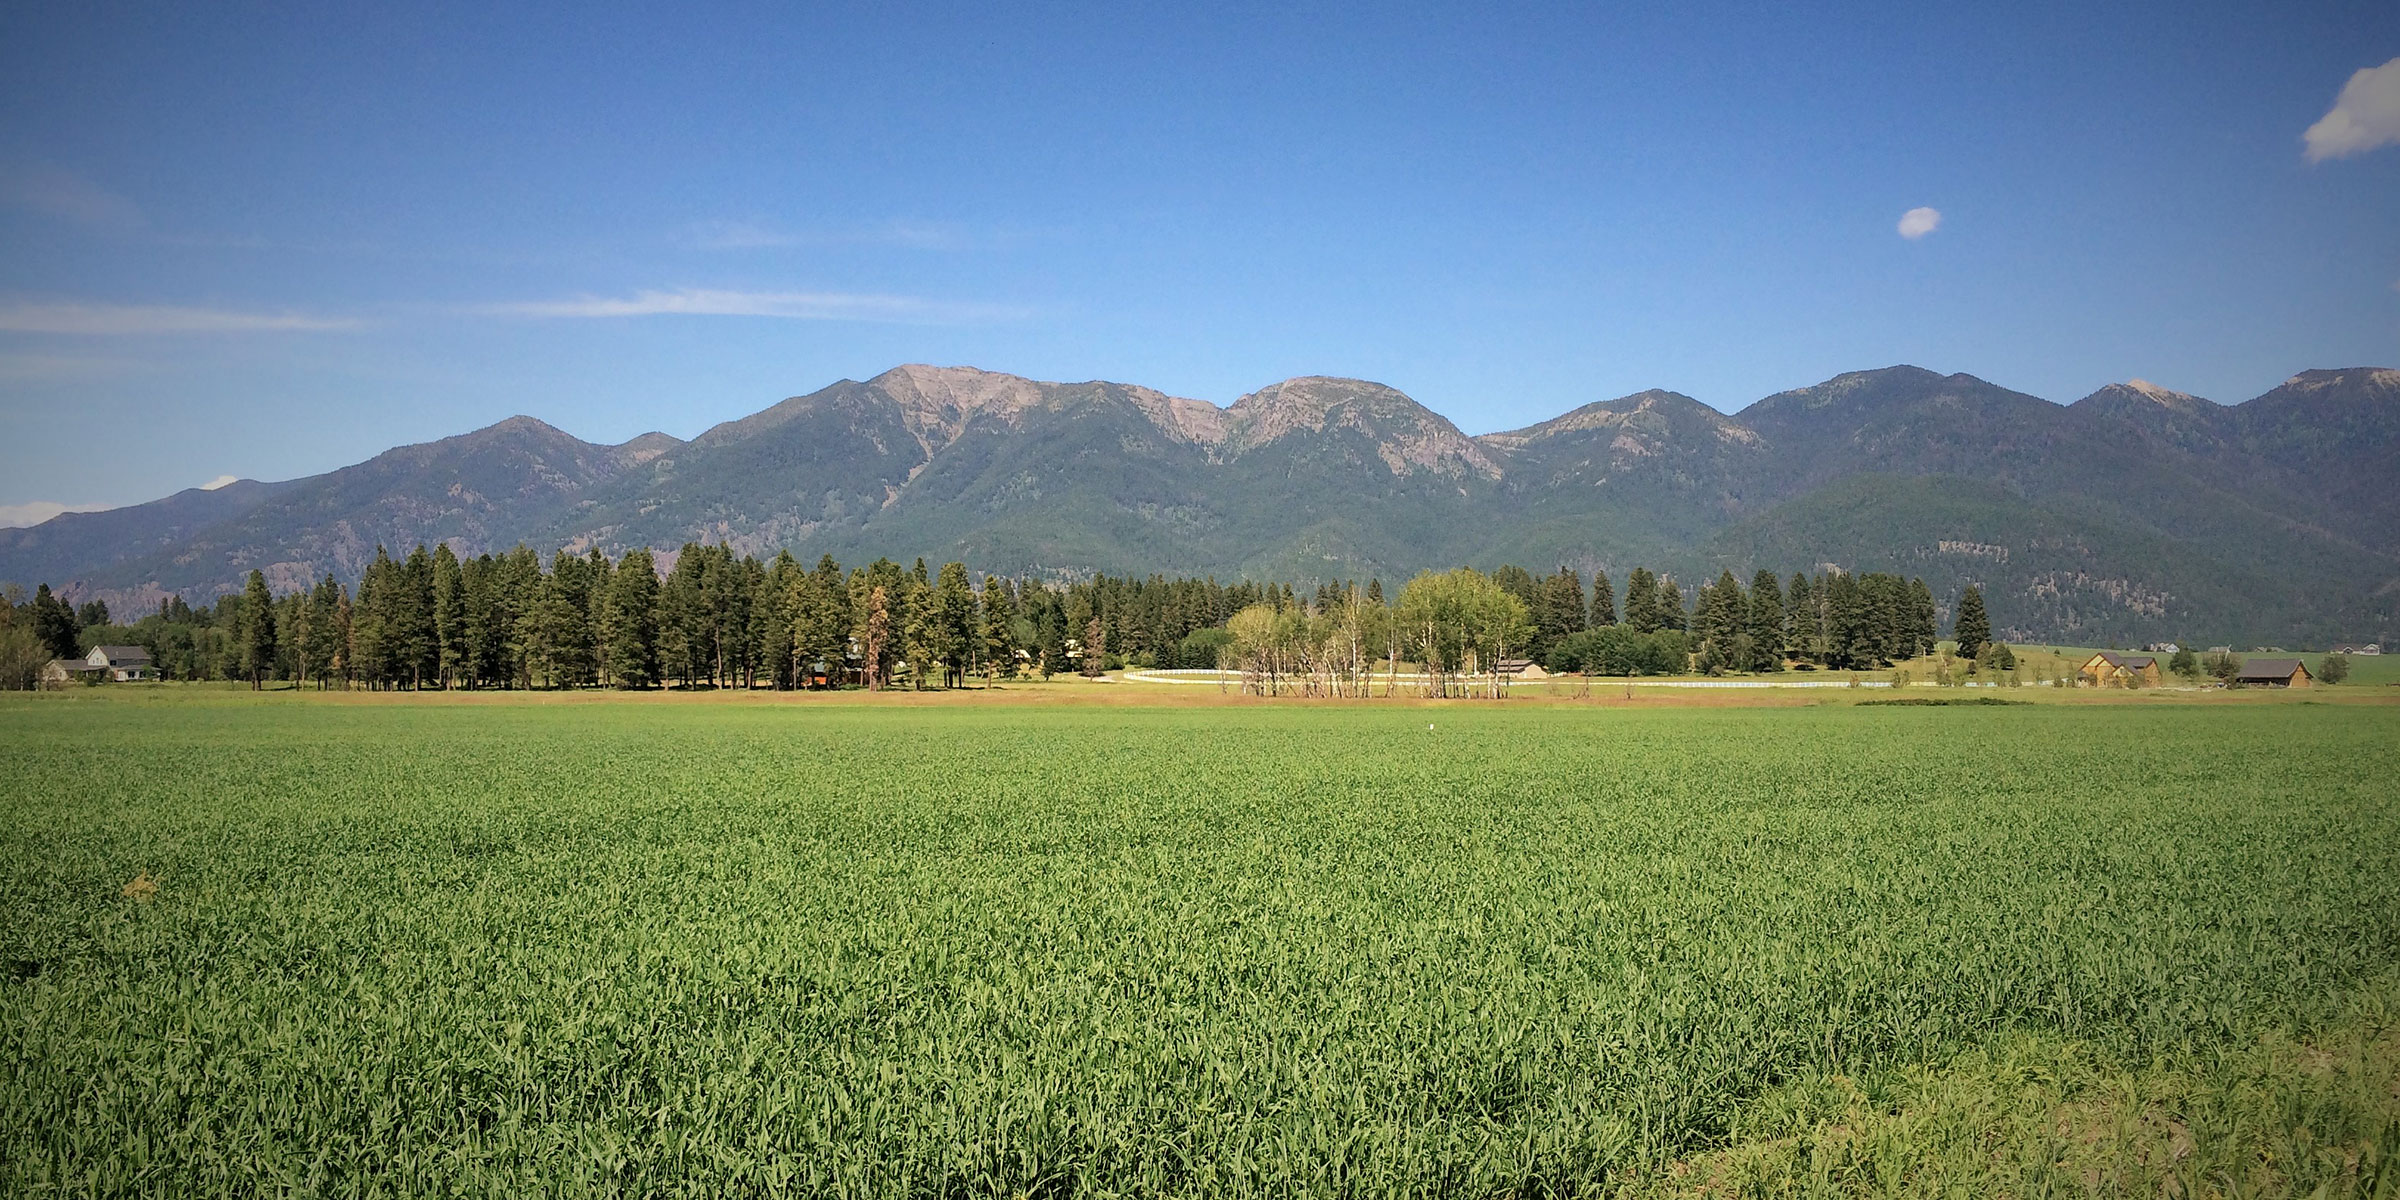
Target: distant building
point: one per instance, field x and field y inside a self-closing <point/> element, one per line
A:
<point x="2162" y="648"/>
<point x="1521" y="668"/>
<point x="2111" y="669"/>
<point x="124" y="664"/>
<point x="2370" y="649"/>
<point x="2273" y="672"/>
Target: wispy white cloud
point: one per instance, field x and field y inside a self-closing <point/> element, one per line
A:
<point x="67" y="196"/>
<point x="119" y="319"/>
<point x="800" y="306"/>
<point x="34" y="512"/>
<point x="753" y="235"/>
<point x="220" y="481"/>
<point x="2365" y="116"/>
<point x="1917" y="222"/>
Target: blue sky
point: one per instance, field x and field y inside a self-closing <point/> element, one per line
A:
<point x="268" y="242"/>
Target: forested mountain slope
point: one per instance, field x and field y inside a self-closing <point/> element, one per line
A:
<point x="2136" y="512"/>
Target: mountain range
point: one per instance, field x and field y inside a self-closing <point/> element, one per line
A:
<point x="2132" y="514"/>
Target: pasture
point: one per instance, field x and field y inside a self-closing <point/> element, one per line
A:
<point x="699" y="946"/>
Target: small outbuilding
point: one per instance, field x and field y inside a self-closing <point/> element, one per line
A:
<point x="2273" y="672"/>
<point x="1521" y="668"/>
<point x="2111" y="669"/>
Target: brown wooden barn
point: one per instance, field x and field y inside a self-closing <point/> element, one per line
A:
<point x="2274" y="672"/>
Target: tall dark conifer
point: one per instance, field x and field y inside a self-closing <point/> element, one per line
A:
<point x="449" y="615"/>
<point x="257" y="631"/>
<point x="54" y="623"/>
<point x="1604" y="602"/>
<point x="1670" y="605"/>
<point x="1641" y="601"/>
<point x="1972" y="628"/>
<point x="632" y="620"/>
<point x="1766" y="622"/>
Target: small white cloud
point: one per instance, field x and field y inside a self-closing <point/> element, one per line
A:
<point x="34" y="512"/>
<point x="800" y="306"/>
<point x="220" y="481"/>
<point x="1917" y="222"/>
<point x="115" y="319"/>
<point x="68" y="197"/>
<point x="2366" y="115"/>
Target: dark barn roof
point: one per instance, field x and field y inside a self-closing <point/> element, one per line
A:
<point x="2269" y="668"/>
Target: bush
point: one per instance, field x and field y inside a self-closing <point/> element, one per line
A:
<point x="2333" y="668"/>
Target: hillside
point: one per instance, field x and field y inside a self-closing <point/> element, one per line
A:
<point x="2135" y="512"/>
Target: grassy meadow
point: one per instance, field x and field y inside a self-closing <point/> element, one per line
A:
<point x="817" y="946"/>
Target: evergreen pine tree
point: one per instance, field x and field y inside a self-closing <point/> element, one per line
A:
<point x="449" y="615"/>
<point x="1800" y="618"/>
<point x="999" y="629"/>
<point x="376" y="661"/>
<point x="632" y="620"/>
<point x="1766" y="622"/>
<point x="1723" y="616"/>
<point x="54" y="624"/>
<point x="1641" y="601"/>
<point x="1561" y="613"/>
<point x="683" y="634"/>
<point x="326" y="637"/>
<point x="1972" y="628"/>
<point x="1604" y="602"/>
<point x="1844" y="645"/>
<point x="599" y="585"/>
<point x="257" y="631"/>
<point x="956" y="642"/>
<point x="1670" y="605"/>
<point x="412" y="619"/>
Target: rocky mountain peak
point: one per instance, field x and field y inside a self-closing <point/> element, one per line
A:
<point x="1408" y="436"/>
<point x="2152" y="391"/>
<point x="642" y="448"/>
<point x="1657" y="412"/>
<point x="936" y="403"/>
<point x="2136" y="396"/>
<point x="519" y="425"/>
<point x="2381" y="383"/>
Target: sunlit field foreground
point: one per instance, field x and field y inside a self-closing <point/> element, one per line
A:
<point x="840" y="949"/>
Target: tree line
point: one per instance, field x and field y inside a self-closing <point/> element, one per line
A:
<point x="433" y="619"/>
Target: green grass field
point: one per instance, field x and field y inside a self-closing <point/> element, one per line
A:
<point x="715" y="945"/>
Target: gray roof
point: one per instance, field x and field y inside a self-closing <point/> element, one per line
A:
<point x="2135" y="661"/>
<point x="123" y="656"/>
<point x="2269" y="668"/>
